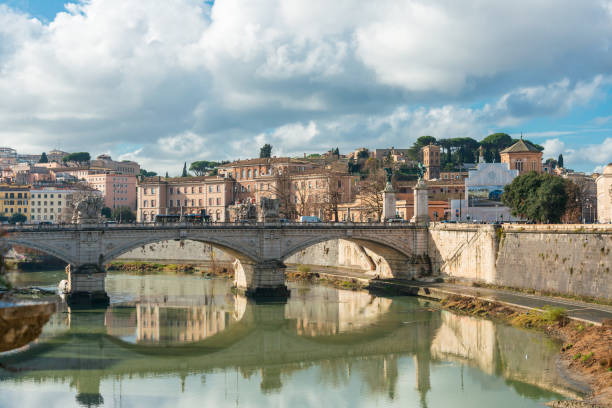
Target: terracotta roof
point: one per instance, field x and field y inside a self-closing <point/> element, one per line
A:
<point x="520" y="147"/>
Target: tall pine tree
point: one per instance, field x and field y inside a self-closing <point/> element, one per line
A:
<point x="560" y="161"/>
<point x="184" y="170"/>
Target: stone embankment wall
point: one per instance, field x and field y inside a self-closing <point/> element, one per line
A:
<point x="565" y="259"/>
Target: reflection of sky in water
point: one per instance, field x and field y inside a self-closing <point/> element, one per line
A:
<point x="368" y="354"/>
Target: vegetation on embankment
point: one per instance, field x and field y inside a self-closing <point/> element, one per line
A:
<point x="586" y="350"/>
<point x="148" y="268"/>
<point x="303" y="274"/>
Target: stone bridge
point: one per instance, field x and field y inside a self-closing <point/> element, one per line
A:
<point x="259" y="249"/>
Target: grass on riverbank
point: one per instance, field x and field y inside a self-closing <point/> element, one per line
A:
<point x="152" y="268"/>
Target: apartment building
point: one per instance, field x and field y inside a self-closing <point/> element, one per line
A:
<point x="47" y="203"/>
<point x="14" y="199"/>
<point x="184" y="195"/>
<point x="118" y="190"/>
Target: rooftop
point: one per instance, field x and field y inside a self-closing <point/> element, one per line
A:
<point x="521" y="147"/>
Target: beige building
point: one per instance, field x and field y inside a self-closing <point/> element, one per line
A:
<point x="105" y="163"/>
<point x="604" y="195"/>
<point x="118" y="190"/>
<point x="256" y="178"/>
<point x="522" y="156"/>
<point x="47" y="203"/>
<point x="184" y="195"/>
<point x="431" y="161"/>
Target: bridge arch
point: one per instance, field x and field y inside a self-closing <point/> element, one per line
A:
<point x="242" y="254"/>
<point x="384" y="257"/>
<point x="42" y="246"/>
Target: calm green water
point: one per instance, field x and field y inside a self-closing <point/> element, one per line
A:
<point x="180" y="341"/>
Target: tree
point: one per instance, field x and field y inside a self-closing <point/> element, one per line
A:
<point x="17" y="217"/>
<point x="145" y="173"/>
<point x="123" y="215"/>
<point x="203" y="167"/>
<point x="184" y="174"/>
<point x="166" y="174"/>
<point x="371" y="194"/>
<point x="415" y="150"/>
<point x="560" y="161"/>
<point x="107" y="212"/>
<point x="537" y="197"/>
<point x="551" y="162"/>
<point x="79" y="157"/>
<point x="265" y="151"/>
<point x="281" y="189"/>
<point x="495" y="143"/>
<point x="43" y="158"/>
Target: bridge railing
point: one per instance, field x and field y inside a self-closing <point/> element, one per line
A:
<point x="232" y="225"/>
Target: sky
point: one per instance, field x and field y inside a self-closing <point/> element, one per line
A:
<point x="173" y="81"/>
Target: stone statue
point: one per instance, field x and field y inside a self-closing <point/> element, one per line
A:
<point x="243" y="212"/>
<point x="269" y="209"/>
<point x="87" y="209"/>
<point x="389" y="174"/>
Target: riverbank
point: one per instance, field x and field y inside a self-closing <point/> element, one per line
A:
<point x="586" y="351"/>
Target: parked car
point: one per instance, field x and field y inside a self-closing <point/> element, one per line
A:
<point x="309" y="218"/>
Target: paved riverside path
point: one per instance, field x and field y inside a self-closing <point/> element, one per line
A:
<point x="575" y="309"/>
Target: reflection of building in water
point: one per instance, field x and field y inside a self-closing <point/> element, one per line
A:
<point x="466" y="340"/>
<point x="340" y="311"/>
<point x="174" y="324"/>
<point x="497" y="349"/>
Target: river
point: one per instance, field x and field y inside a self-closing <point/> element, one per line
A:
<point x="179" y="341"/>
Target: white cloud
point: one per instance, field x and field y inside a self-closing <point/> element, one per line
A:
<point x="180" y="80"/>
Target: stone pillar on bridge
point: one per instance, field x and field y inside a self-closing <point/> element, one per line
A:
<point x="262" y="280"/>
<point x="421" y="204"/>
<point x="389" y="202"/>
<point x="86" y="286"/>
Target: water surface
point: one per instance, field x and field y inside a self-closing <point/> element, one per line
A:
<point x="174" y="341"/>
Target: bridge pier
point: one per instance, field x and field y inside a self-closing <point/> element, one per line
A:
<point x="86" y="286"/>
<point x="261" y="280"/>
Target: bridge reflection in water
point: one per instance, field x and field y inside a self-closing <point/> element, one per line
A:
<point x="159" y="329"/>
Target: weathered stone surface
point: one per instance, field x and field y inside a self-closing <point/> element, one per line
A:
<point x="21" y="324"/>
<point x="565" y="259"/>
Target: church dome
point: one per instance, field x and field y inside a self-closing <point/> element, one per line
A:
<point x="608" y="169"/>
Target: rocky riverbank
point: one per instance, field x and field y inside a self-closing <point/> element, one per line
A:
<point x="145" y="268"/>
<point x="585" y="354"/>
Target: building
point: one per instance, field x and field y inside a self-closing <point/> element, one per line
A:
<point x="431" y="161"/>
<point x="56" y="155"/>
<point x="380" y="154"/>
<point x="8" y="153"/>
<point x="47" y="203"/>
<point x="118" y="190"/>
<point x="484" y="187"/>
<point x="522" y="156"/>
<point x="263" y="177"/>
<point x="604" y="195"/>
<point x="320" y="192"/>
<point x="14" y="199"/>
<point x="104" y="163"/>
<point x="184" y="195"/>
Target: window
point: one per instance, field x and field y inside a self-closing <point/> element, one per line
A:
<point x="218" y="188"/>
<point x="200" y="189"/>
<point x="242" y="174"/>
<point x="192" y="190"/>
<point x="210" y="189"/>
<point x="192" y="202"/>
<point x="152" y="203"/>
<point x="185" y="202"/>
<point x="210" y="201"/>
<point x="59" y="196"/>
<point x="171" y="190"/>
<point x="242" y="188"/>
<point x="218" y="201"/>
<point x="170" y="203"/>
<point x="249" y="173"/>
<point x="249" y="188"/>
<point x="152" y="190"/>
<point x="200" y="202"/>
<point x="255" y="173"/>
<point x="146" y="203"/>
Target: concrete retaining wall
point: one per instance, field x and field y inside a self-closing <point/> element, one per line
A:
<point x="566" y="259"/>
